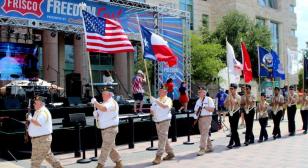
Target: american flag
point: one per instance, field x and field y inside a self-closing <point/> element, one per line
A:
<point x="105" y="35"/>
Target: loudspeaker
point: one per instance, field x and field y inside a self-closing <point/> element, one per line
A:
<point x="74" y="119"/>
<point x="73" y="85"/>
<point x="12" y="103"/>
<point x="74" y="101"/>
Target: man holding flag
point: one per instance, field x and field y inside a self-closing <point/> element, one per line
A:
<point x="105" y="36"/>
<point x="248" y="101"/>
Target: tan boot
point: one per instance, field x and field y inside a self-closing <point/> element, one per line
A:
<point x="201" y="152"/>
<point x="99" y="166"/>
<point x="169" y="156"/>
<point x="119" y="164"/>
<point x="208" y="150"/>
<point x="157" y="160"/>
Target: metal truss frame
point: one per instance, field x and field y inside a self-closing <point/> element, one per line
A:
<point x="157" y="10"/>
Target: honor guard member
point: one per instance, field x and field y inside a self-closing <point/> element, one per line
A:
<point x="263" y="117"/>
<point x="40" y="130"/>
<point x="277" y="108"/>
<point x="248" y="104"/>
<point x="204" y="120"/>
<point x="161" y="111"/>
<point x="232" y="103"/>
<point x="291" y="103"/>
<point x="107" y="116"/>
<point x="304" y="110"/>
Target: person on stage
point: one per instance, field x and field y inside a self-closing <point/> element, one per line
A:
<point x="107" y="78"/>
<point x="232" y="103"/>
<point x="170" y="86"/>
<point x="40" y="131"/>
<point x="262" y="108"/>
<point x="138" y="91"/>
<point x="291" y="102"/>
<point x="184" y="99"/>
<point x="161" y="111"/>
<point x="204" y="120"/>
<point x="277" y="108"/>
<point x="248" y="104"/>
<point x="304" y="110"/>
<point x="107" y="116"/>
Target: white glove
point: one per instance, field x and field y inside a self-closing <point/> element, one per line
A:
<point x="29" y="117"/>
<point x="93" y="100"/>
<point x="195" y="116"/>
<point x="152" y="99"/>
<point x="95" y="114"/>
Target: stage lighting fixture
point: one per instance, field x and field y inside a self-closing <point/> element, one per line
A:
<point x="53" y="34"/>
<point x="78" y="37"/>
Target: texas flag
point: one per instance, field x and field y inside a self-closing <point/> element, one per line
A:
<point x="156" y="48"/>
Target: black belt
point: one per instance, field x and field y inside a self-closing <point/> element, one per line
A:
<point x="109" y="127"/>
<point x="40" y="136"/>
<point x="205" y="116"/>
<point x="163" y="121"/>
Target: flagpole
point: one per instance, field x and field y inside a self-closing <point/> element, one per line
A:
<point x="82" y="6"/>
<point x="259" y="69"/>
<point x="228" y="64"/>
<point x="142" y="53"/>
<point x="304" y="73"/>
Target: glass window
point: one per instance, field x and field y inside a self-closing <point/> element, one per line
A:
<point x="268" y="3"/>
<point x="275" y="36"/>
<point x="101" y="59"/>
<point x="69" y="54"/>
<point x="292" y="32"/>
<point x="291" y="8"/>
<point x="205" y="20"/>
<point x="262" y="3"/>
<point x="260" y="22"/>
<point x="187" y="5"/>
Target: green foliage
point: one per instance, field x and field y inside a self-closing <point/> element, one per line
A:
<point x="300" y="79"/>
<point x="236" y="27"/>
<point x="206" y="59"/>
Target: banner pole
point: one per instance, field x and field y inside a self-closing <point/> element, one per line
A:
<point x="259" y="69"/>
<point x="144" y="61"/>
<point x="304" y="72"/>
<point x="228" y="65"/>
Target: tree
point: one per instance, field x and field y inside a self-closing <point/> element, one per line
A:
<point x="206" y="59"/>
<point x="236" y="27"/>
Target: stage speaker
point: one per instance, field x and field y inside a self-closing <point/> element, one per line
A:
<point x="73" y="85"/>
<point x="12" y="103"/>
<point x="74" y="101"/>
<point x="74" y="119"/>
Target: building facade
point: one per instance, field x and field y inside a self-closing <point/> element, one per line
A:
<point x="278" y="15"/>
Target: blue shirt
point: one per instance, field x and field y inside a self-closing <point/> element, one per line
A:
<point x="221" y="96"/>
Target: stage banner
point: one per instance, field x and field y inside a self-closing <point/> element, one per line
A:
<point x="68" y="12"/>
<point x="172" y="31"/>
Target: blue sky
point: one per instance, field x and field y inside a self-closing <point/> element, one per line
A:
<point x="301" y="10"/>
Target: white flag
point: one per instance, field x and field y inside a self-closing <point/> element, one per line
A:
<point x="234" y="65"/>
<point x="292" y="62"/>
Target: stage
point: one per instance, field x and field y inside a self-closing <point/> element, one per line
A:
<point x="133" y="128"/>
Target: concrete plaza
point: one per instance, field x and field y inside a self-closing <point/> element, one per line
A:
<point x="282" y="153"/>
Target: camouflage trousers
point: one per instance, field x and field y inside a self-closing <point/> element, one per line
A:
<point x="41" y="151"/>
<point x="108" y="145"/>
<point x="162" y="129"/>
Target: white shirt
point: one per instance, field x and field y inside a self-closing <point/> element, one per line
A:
<point x="43" y="117"/>
<point x="107" y="79"/>
<point x="160" y="113"/>
<point x="207" y="102"/>
<point x="110" y="117"/>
